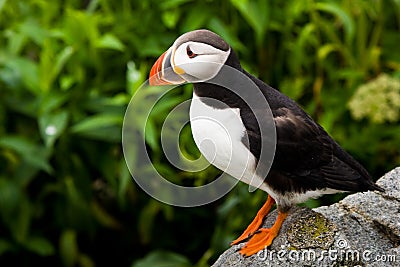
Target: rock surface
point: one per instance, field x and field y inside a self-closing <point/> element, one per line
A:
<point x="363" y="229"/>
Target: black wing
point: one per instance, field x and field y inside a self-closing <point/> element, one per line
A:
<point x="306" y="157"/>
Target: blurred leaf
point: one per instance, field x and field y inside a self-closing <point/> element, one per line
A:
<point x="52" y="125"/>
<point x="294" y="88"/>
<point x="36" y="156"/>
<point x="61" y="59"/>
<point x="325" y="50"/>
<point x="256" y="14"/>
<point x="2" y="2"/>
<point x="153" y="46"/>
<point x="104" y="217"/>
<point x="172" y="3"/>
<point x="152" y="135"/>
<point x="163" y="259"/>
<point x="102" y="126"/>
<point x="146" y="220"/>
<point x="110" y="41"/>
<point x="22" y="220"/>
<point x="348" y="22"/>
<point x="5" y="246"/>
<point x="80" y="27"/>
<point x="227" y="206"/>
<point x="50" y="102"/>
<point x="73" y="194"/>
<point x="33" y="30"/>
<point x="124" y="183"/>
<point x="304" y="41"/>
<point x="40" y="246"/>
<point x="390" y="40"/>
<point x="69" y="248"/>
<point x="218" y="26"/>
<point x="66" y="82"/>
<point x="16" y="41"/>
<point x="170" y="18"/>
<point x="9" y="198"/>
<point x="194" y="19"/>
<point x="51" y="63"/>
<point x="85" y="261"/>
<point x="312" y="203"/>
<point x="135" y="77"/>
<point x="24" y="71"/>
<point x="96" y="122"/>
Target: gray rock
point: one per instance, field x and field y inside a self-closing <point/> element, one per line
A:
<point x="361" y="230"/>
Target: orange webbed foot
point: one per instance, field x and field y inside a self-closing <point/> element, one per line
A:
<point x="263" y="238"/>
<point x="257" y="222"/>
<point x="250" y="231"/>
<point x="259" y="241"/>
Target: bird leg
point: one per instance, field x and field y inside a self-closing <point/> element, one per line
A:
<point x="264" y="237"/>
<point x="256" y="223"/>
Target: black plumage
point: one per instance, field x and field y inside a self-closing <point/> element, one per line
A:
<point x="306" y="157"/>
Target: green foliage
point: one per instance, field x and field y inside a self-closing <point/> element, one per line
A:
<point x="69" y="68"/>
<point x="378" y="100"/>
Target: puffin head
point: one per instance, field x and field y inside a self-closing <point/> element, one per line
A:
<point x="196" y="56"/>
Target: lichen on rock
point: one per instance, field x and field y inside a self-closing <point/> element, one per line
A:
<point x="311" y="231"/>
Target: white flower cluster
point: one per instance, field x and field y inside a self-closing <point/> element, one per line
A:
<point x="377" y="100"/>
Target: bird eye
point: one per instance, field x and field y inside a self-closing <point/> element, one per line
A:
<point x="190" y="53"/>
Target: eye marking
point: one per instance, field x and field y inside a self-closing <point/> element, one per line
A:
<point x="190" y="53"/>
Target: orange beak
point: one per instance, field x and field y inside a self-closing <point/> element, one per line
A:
<point x="156" y="72"/>
<point x="162" y="73"/>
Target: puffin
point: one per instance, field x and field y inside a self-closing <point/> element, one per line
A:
<point x="307" y="162"/>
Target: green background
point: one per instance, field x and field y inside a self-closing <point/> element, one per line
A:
<point x="69" y="68"/>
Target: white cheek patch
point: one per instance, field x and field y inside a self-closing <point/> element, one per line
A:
<point x="202" y="70"/>
<point x="204" y="66"/>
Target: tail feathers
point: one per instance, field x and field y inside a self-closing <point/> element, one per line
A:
<point x="376" y="187"/>
<point x="341" y="176"/>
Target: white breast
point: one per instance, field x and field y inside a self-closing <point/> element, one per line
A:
<point x="218" y="134"/>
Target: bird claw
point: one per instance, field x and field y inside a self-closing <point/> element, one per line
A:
<point x="244" y="237"/>
<point x="260" y="240"/>
<point x="264" y="237"/>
